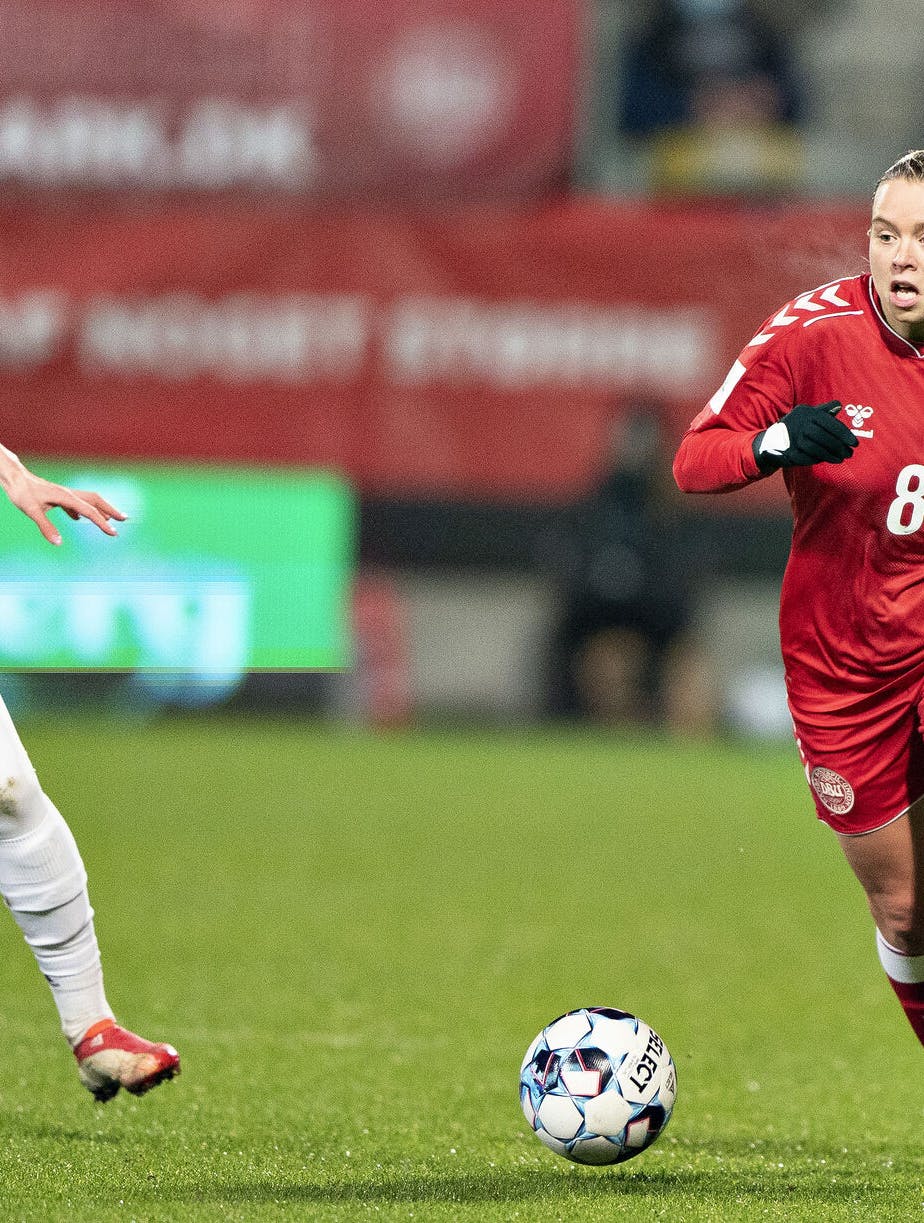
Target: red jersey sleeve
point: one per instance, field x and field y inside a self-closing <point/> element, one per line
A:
<point x="716" y="453"/>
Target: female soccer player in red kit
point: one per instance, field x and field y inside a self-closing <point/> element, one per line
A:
<point x="831" y="391"/>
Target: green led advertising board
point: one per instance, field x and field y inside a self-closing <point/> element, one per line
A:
<point x="218" y="570"/>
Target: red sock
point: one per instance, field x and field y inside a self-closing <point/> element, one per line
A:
<point x="912" y="999"/>
<point x="906" y="976"/>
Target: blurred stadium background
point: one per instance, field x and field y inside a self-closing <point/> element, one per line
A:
<point x="479" y="263"/>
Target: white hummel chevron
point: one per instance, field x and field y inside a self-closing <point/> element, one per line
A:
<point x="783" y="319"/>
<point x="805" y="303"/>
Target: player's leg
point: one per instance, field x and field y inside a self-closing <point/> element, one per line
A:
<point x="43" y="881"/>
<point x="889" y="863"/>
<point x="865" y="768"/>
<point x="44" y="884"/>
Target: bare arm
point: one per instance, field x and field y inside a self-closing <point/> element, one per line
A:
<point x="35" y="496"/>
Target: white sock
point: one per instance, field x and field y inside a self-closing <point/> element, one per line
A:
<point x="44" y="883"/>
<point x="906" y="969"/>
<point x="63" y="942"/>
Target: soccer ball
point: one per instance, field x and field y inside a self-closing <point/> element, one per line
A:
<point x="597" y="1085"/>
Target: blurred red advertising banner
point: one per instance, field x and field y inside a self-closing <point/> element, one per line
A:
<point x="400" y="100"/>
<point x="480" y="354"/>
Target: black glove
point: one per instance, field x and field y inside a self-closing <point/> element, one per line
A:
<point x="812" y="435"/>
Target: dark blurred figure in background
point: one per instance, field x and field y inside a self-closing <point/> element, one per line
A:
<point x="623" y="652"/>
<point x="710" y="87"/>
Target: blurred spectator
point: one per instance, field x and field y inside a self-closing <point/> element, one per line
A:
<point x="709" y="86"/>
<point x="623" y="652"/>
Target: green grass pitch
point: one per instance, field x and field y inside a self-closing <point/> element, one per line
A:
<point x="352" y="939"/>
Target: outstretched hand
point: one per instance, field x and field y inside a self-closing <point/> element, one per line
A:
<point x="35" y="496"/>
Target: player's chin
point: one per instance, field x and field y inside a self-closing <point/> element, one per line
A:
<point x="907" y="316"/>
<point x="913" y="321"/>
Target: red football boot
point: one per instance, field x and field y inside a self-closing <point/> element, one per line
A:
<point x="110" y="1057"/>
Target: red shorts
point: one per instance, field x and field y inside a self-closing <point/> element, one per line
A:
<point x="865" y="763"/>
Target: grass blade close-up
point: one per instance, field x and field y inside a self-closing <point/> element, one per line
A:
<point x="353" y="938"/>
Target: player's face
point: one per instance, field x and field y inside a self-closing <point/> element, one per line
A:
<point x="896" y="255"/>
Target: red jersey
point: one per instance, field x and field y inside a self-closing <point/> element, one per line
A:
<point x="852" y="605"/>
